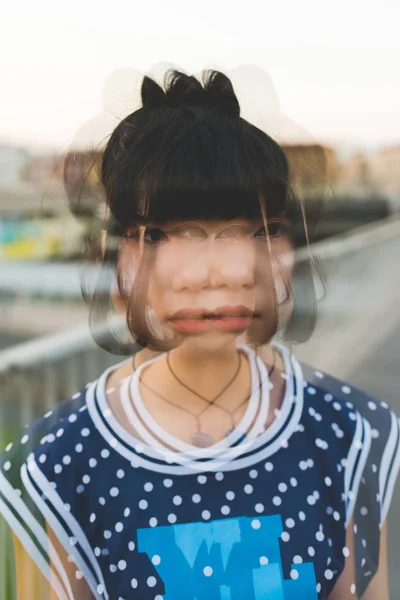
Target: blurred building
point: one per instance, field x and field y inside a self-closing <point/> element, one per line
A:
<point x="78" y="172"/>
<point x="356" y="170"/>
<point x="354" y="177"/>
<point x="39" y="170"/>
<point x="385" y="173"/>
<point x="313" y="167"/>
<point x="13" y="161"/>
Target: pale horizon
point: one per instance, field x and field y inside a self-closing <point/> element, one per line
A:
<point x="326" y="77"/>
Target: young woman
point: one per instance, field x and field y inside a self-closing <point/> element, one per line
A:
<point x="210" y="463"/>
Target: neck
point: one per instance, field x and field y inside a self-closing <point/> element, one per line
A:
<point x="204" y="372"/>
<point x="195" y="367"/>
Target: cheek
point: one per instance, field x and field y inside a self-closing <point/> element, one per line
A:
<point x="156" y="290"/>
<point x="163" y="269"/>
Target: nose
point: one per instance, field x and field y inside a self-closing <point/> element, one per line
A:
<point x="218" y="265"/>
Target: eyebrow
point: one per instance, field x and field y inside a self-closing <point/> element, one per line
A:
<point x="186" y="224"/>
<point x="180" y="227"/>
<point x="248" y="228"/>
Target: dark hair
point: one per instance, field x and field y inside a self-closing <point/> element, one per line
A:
<point x="187" y="153"/>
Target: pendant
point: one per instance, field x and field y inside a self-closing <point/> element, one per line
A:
<point x="202" y="440"/>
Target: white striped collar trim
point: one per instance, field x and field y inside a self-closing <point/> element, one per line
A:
<point x="256" y="404"/>
<point x="149" y="457"/>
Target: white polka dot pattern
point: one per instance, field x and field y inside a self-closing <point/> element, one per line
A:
<point x="305" y="477"/>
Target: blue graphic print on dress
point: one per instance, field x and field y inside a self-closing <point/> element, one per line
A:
<point x="226" y="559"/>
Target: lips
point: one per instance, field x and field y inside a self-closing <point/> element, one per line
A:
<point x="220" y="312"/>
<point x="227" y="318"/>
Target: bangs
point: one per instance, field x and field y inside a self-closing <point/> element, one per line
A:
<point x="196" y="165"/>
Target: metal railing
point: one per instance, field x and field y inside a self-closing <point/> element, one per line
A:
<point x="34" y="376"/>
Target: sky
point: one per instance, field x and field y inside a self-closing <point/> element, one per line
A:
<point x="310" y="70"/>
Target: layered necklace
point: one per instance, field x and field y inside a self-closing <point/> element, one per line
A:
<point x="200" y="438"/>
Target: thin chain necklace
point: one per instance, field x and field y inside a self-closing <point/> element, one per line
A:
<point x="201" y="438"/>
<point x="210" y="402"/>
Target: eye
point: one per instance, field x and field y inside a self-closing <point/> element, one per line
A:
<point x="154" y="236"/>
<point x="233" y="232"/>
<point x="261" y="234"/>
<point x="275" y="229"/>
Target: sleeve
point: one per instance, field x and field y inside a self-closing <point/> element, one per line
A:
<point x="376" y="487"/>
<point x="370" y="506"/>
<point x="17" y="505"/>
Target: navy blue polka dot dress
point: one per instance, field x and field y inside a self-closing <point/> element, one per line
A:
<point x="257" y="515"/>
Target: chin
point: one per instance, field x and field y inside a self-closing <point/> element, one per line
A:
<point x="212" y="342"/>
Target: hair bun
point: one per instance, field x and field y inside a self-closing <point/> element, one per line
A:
<point x="153" y="96"/>
<point x="220" y="92"/>
<point x="185" y="90"/>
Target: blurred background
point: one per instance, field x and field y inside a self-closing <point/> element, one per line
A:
<point x="321" y="80"/>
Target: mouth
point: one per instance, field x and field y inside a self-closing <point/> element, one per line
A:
<point x="218" y="313"/>
<point x="230" y="318"/>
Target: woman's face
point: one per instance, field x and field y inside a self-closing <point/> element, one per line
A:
<point x="211" y="281"/>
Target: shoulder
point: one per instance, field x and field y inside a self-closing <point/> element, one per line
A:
<point x="62" y="447"/>
<point x="23" y="502"/>
<point x="376" y="411"/>
<point x="380" y="421"/>
<point x="373" y="459"/>
<point x="340" y="435"/>
<point x="52" y="455"/>
<point x="38" y="434"/>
